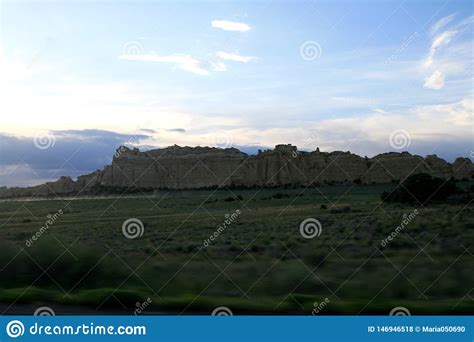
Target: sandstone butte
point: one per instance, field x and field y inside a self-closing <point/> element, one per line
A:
<point x="178" y="168"/>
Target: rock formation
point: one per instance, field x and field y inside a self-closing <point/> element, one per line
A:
<point x="178" y="167"/>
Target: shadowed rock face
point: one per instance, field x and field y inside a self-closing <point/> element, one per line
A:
<point x="178" y="167"/>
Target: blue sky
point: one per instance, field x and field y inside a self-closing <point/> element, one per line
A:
<point x="235" y="73"/>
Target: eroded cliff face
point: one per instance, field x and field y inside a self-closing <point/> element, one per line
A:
<point x="178" y="167"/>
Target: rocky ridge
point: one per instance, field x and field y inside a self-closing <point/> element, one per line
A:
<point x="181" y="168"/>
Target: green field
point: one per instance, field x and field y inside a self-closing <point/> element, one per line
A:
<point x="260" y="263"/>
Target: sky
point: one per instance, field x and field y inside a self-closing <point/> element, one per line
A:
<point x="80" y="78"/>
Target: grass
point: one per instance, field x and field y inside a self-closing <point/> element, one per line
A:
<point x="259" y="263"/>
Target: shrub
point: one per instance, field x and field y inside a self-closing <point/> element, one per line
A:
<point x="280" y="195"/>
<point x="340" y="210"/>
<point x="47" y="264"/>
<point x="423" y="188"/>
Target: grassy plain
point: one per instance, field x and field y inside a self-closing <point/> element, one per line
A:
<point x="260" y="263"/>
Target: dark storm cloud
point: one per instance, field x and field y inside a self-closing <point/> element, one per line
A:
<point x="75" y="152"/>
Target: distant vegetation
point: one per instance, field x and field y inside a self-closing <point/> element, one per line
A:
<point x="422" y="188"/>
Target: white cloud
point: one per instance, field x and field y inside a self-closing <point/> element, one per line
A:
<point x="230" y="25"/>
<point x="234" y="57"/>
<point x="379" y="110"/>
<point x="435" y="81"/>
<point x="184" y="62"/>
<point x="442" y="62"/>
<point x="218" y="66"/>
<point x="447" y="36"/>
<point x="457" y="114"/>
<point x="443" y="39"/>
<point x="442" y="23"/>
<point x="432" y="128"/>
<point x="439" y="41"/>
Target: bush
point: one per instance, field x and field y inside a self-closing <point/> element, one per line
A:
<point x="340" y="210"/>
<point x="280" y="195"/>
<point x="47" y="264"/>
<point x="422" y="188"/>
